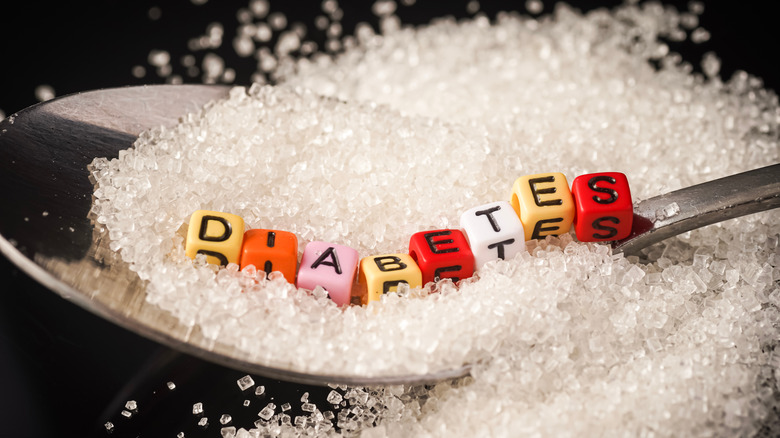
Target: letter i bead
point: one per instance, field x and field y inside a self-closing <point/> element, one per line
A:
<point x="271" y="250"/>
<point x="604" y="207"/>
<point x="217" y="235"/>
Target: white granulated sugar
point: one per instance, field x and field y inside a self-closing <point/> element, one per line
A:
<point x="567" y="339"/>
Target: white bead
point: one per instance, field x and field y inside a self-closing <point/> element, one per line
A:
<point x="494" y="232"/>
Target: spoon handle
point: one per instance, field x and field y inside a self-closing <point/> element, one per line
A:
<point x="673" y="213"/>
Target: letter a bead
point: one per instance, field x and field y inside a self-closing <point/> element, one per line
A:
<point x="494" y="232"/>
<point x="544" y="204"/>
<point x="271" y="250"/>
<point x="217" y="235"/>
<point x="331" y="266"/>
<point x="383" y="273"/>
<point x="442" y="254"/>
<point x="604" y="207"/>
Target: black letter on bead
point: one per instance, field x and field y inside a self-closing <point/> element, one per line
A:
<point x="432" y="243"/>
<point x="388" y="284"/>
<point x="268" y="267"/>
<point x="536" y="192"/>
<point x="613" y="194"/>
<point x="222" y="259"/>
<point x="500" y="246"/>
<point x="538" y="230"/>
<point x="271" y="239"/>
<point x="334" y="260"/>
<point x="489" y="214"/>
<point x="611" y="232"/>
<point x="204" y="227"/>
<point x="437" y="273"/>
<point x="383" y="262"/>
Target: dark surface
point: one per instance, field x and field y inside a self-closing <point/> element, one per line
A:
<point x="65" y="372"/>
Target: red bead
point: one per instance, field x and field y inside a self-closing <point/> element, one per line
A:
<point x="442" y="254"/>
<point x="271" y="250"/>
<point x="604" y="210"/>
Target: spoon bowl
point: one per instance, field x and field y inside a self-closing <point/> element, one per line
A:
<point x="48" y="231"/>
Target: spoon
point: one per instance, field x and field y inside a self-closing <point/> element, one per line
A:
<point x="47" y="231"/>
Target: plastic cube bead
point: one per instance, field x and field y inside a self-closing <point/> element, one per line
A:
<point x="604" y="207"/>
<point x="544" y="204"/>
<point x="383" y="273"/>
<point x="494" y="232"/>
<point x="217" y="235"/>
<point x="442" y="254"/>
<point x="271" y="250"/>
<point x="331" y="266"/>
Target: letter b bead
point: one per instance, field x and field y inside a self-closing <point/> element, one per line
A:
<point x="604" y="207"/>
<point x="382" y="274"/>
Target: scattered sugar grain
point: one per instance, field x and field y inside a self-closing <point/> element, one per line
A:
<point x="228" y="432"/>
<point x="197" y="408"/>
<point x="225" y="419"/>
<point x="203" y="422"/>
<point x="125" y="413"/>
<point x="171" y="386"/>
<point x="131" y="405"/>
<point x="109" y="426"/>
<point x="44" y="92"/>
<point x="245" y="382"/>
<point x="260" y="390"/>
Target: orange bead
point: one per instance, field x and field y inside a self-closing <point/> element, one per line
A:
<point x="271" y="250"/>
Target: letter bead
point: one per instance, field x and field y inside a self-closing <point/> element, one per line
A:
<point x="442" y="254"/>
<point x="604" y="207"/>
<point x="331" y="266"/>
<point x="217" y="235"/>
<point x="544" y="204"/>
<point x="494" y="232"/>
<point x="382" y="274"/>
<point x="271" y="250"/>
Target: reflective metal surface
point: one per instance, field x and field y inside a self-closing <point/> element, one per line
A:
<point x="46" y="229"/>
<point x="674" y="213"/>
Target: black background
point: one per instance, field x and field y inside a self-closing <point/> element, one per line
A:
<point x="65" y="372"/>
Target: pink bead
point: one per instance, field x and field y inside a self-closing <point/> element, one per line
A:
<point x="331" y="266"/>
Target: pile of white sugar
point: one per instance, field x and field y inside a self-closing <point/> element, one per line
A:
<point x="405" y="131"/>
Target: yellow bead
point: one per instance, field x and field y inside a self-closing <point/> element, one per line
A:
<point x="544" y="204"/>
<point x="382" y="274"/>
<point x="216" y="234"/>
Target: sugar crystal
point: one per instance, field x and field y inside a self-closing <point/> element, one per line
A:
<point x="197" y="408"/>
<point x="245" y="382"/>
<point x="565" y="336"/>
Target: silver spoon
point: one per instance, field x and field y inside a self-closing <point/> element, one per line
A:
<point x="47" y="231"/>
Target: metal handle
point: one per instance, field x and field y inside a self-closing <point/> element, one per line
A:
<point x="673" y="213"/>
